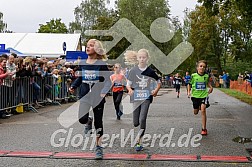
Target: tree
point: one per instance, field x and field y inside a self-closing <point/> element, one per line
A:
<point x="143" y="12"/>
<point x="205" y="37"/>
<point x="221" y="32"/>
<point x="54" y="26"/>
<point x="86" y="15"/>
<point x="3" y="25"/>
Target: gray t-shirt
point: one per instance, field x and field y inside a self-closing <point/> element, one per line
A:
<point x="142" y="82"/>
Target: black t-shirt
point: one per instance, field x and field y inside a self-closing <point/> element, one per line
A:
<point x="177" y="81"/>
<point x="93" y="78"/>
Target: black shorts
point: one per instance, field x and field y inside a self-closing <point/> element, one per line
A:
<point x="177" y="88"/>
<point x="198" y="101"/>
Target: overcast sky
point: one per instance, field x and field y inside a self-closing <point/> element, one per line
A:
<point x="26" y="15"/>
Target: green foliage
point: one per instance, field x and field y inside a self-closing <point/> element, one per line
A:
<point x="143" y="12"/>
<point x="236" y="67"/>
<point x="220" y="32"/>
<point x="205" y="37"/>
<point x="54" y="26"/>
<point x="86" y="15"/>
<point x="104" y="23"/>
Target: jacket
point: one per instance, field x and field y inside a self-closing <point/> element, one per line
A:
<point x="3" y="75"/>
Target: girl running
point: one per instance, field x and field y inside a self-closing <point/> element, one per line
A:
<point x="117" y="80"/>
<point x="177" y="82"/>
<point x="139" y="87"/>
<point x="199" y="93"/>
<point x="94" y="84"/>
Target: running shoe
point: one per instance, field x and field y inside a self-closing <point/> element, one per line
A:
<point x="204" y="132"/>
<point x="139" y="147"/>
<point x="88" y="125"/>
<point x="98" y="152"/>
<point x="120" y="113"/>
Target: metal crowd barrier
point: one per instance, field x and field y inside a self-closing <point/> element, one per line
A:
<point x="31" y="91"/>
<point x="15" y="92"/>
<point x="166" y="83"/>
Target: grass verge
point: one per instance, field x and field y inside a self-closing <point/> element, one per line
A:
<point x="237" y="94"/>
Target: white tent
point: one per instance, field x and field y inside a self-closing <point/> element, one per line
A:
<point x="41" y="44"/>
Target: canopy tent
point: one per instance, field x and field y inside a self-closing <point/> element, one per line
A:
<point x="4" y="52"/>
<point x="41" y="44"/>
<point x="15" y="51"/>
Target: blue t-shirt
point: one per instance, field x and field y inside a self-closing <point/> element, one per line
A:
<point x="187" y="79"/>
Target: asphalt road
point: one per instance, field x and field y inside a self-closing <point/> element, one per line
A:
<point x="172" y="129"/>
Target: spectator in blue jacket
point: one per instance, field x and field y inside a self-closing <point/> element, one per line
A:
<point x="225" y="79"/>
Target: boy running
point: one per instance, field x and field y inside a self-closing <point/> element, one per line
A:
<point x="187" y="79"/>
<point x="199" y="92"/>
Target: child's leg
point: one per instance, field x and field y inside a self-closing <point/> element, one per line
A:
<point x="115" y="94"/>
<point x="196" y="105"/>
<point x="203" y="115"/>
<point x="118" y="103"/>
<point x="136" y="113"/>
<point x="195" y="111"/>
<point x="98" y="122"/>
<point x="143" y="116"/>
<point x="84" y="112"/>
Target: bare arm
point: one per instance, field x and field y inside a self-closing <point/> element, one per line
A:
<point x="155" y="91"/>
<point x="128" y="86"/>
<point x="211" y="88"/>
<point x="188" y="89"/>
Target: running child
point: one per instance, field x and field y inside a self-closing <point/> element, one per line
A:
<point x="139" y="84"/>
<point x="94" y="84"/>
<point x="177" y="82"/>
<point x="117" y="80"/>
<point x="199" y="94"/>
<point x="187" y="79"/>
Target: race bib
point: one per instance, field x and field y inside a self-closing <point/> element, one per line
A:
<point x="200" y="86"/>
<point x="118" y="85"/>
<point x="90" y="76"/>
<point x="141" y="94"/>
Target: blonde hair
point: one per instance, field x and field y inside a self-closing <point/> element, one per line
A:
<point x="99" y="50"/>
<point x="144" y="51"/>
<point x="55" y="71"/>
<point x="130" y="57"/>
